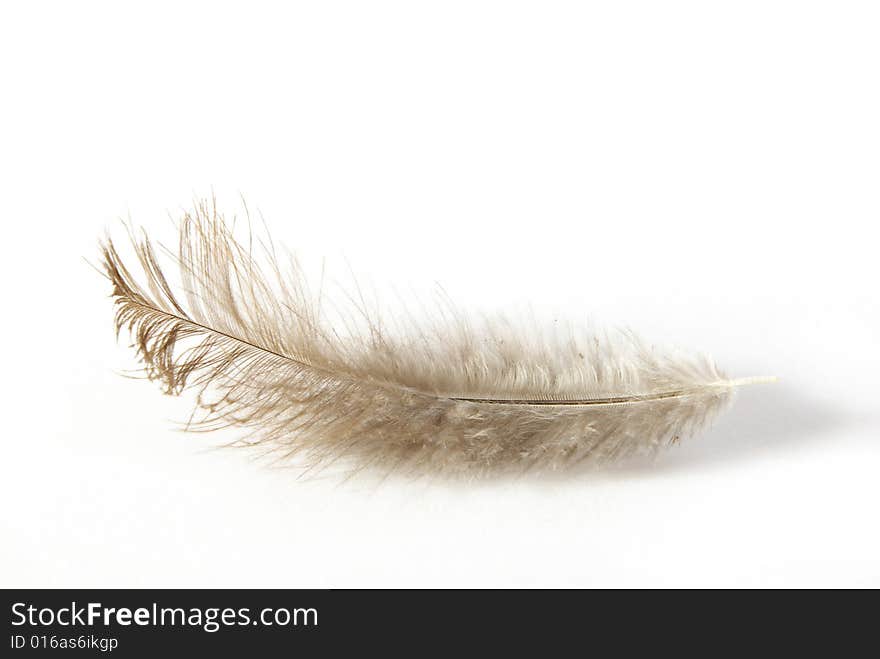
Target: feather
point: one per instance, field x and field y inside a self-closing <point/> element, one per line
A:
<point x="453" y="395"/>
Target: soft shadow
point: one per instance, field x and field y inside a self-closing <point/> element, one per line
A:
<point x="763" y="420"/>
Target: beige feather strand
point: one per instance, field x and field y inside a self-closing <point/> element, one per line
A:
<point x="452" y="396"/>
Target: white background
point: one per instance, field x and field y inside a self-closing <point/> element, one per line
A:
<point x="706" y="173"/>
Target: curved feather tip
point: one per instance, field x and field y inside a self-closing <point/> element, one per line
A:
<point x="450" y="395"/>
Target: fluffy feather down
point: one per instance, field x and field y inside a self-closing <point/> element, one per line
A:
<point x="457" y="395"/>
